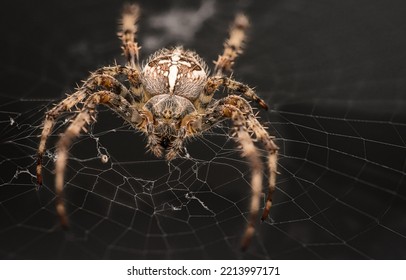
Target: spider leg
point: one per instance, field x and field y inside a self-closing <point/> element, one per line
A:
<point x="251" y="153"/>
<point x="86" y="116"/>
<point x="102" y="78"/>
<point x="262" y="135"/>
<point x="153" y="141"/>
<point x="232" y="46"/>
<point x="232" y="86"/>
<point x="240" y="112"/>
<point x="49" y="122"/>
<point x="127" y="33"/>
<point x="177" y="144"/>
<point x="135" y="93"/>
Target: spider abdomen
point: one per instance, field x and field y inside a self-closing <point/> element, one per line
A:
<point x="176" y="72"/>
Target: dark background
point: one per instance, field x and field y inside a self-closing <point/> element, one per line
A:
<point x="333" y="74"/>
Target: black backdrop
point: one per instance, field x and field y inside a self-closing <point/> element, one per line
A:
<point x="332" y="72"/>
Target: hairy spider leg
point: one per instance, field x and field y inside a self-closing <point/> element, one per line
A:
<point x="86" y="116"/>
<point x="127" y="33"/>
<point x="49" y="122"/>
<point x="250" y="152"/>
<point x="237" y="109"/>
<point x="232" y="86"/>
<point x="262" y="135"/>
<point x="232" y="46"/>
<point x="104" y="77"/>
<point x="153" y="141"/>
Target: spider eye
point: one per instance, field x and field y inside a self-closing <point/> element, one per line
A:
<point x="165" y="142"/>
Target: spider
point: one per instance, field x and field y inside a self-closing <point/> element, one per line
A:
<point x="170" y="99"/>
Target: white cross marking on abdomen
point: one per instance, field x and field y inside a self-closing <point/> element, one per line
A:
<point x="172" y="76"/>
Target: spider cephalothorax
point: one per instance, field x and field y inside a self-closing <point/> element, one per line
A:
<point x="169" y="99"/>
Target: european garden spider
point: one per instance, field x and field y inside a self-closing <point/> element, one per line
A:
<point x="169" y="99"/>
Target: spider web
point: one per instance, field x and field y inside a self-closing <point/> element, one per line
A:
<point x="333" y="74"/>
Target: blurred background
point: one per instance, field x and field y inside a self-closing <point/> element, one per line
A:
<point x="332" y="73"/>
